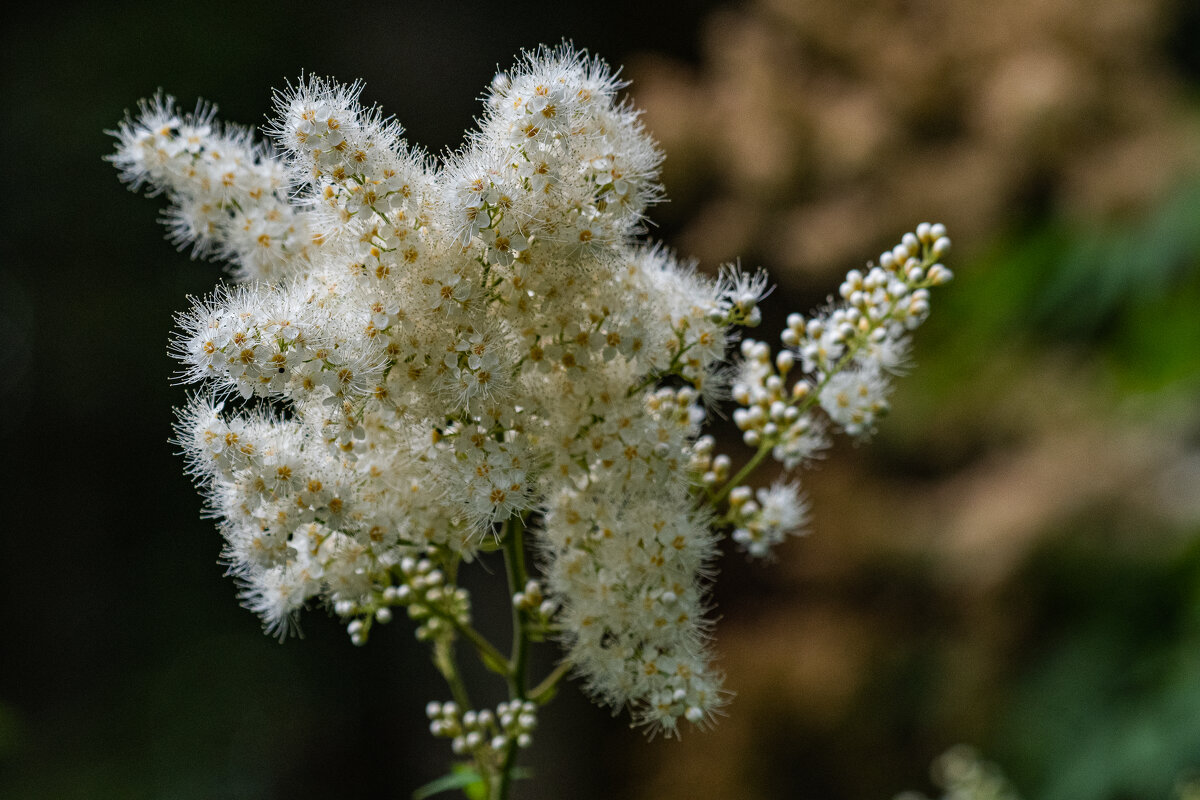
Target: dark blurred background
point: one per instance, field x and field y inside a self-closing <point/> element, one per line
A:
<point x="1013" y="563"/>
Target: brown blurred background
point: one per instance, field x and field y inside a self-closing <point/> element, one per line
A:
<point x="1014" y="562"/>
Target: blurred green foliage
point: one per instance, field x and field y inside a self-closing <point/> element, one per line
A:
<point x="1126" y="291"/>
<point x="1102" y="699"/>
<point x="1106" y="703"/>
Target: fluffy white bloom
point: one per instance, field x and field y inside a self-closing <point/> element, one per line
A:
<point x="228" y="195"/>
<point x="446" y="348"/>
<point x="766" y="521"/>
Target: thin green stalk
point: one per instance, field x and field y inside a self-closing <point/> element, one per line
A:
<point x="491" y="657"/>
<point x="540" y="694"/>
<point x="514" y="562"/>
<point x="743" y="473"/>
<point x="443" y="659"/>
<point x="670" y="369"/>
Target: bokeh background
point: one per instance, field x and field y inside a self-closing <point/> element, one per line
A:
<point x="1013" y="563"/>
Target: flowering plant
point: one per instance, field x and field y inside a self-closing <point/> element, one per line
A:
<point x="434" y="359"/>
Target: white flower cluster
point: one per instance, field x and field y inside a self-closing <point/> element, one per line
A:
<point x="485" y="734"/>
<point x="766" y="521"/>
<point x="229" y="196"/>
<point x="447" y="349"/>
<point x="838" y="361"/>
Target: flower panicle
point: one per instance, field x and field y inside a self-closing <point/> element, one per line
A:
<point x="416" y="358"/>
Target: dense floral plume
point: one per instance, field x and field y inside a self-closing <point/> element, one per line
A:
<point x="446" y="350"/>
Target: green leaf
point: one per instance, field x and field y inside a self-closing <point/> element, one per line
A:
<point x="461" y="777"/>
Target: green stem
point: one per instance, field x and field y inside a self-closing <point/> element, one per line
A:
<point x="670" y="369"/>
<point x="540" y="694"/>
<point x="491" y="657"/>
<point x="514" y="562"/>
<point x="743" y="473"/>
<point x="443" y="659"/>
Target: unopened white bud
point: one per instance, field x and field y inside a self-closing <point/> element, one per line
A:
<point x="939" y="275"/>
